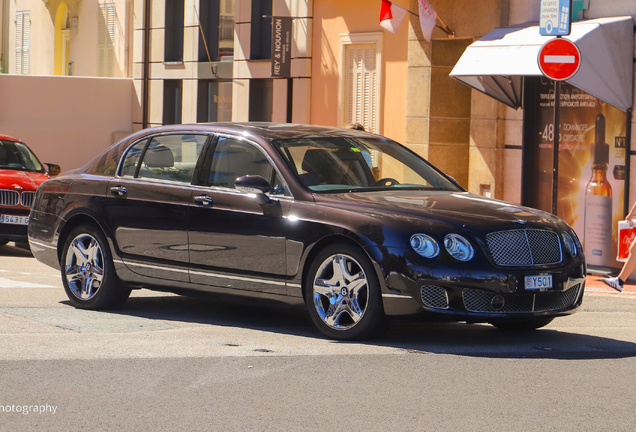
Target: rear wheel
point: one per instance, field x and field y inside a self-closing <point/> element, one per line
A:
<point x="522" y="325"/>
<point x="342" y="294"/>
<point x="88" y="273"/>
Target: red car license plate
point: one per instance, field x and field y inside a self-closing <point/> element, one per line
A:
<point x="14" y="220"/>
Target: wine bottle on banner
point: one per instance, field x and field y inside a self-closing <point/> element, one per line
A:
<point x="598" y="203"/>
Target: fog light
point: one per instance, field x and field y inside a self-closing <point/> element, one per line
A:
<point x="497" y="302"/>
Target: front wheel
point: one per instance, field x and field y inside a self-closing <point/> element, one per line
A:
<point x="343" y="295"/>
<point x="88" y="273"/>
<point x="523" y="324"/>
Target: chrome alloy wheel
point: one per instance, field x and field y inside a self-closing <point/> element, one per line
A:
<point x="84" y="266"/>
<point x="341" y="292"/>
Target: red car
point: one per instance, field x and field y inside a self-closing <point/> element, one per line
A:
<point x="20" y="175"/>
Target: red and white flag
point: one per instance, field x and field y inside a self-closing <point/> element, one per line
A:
<point x="427" y="19"/>
<point x="391" y="15"/>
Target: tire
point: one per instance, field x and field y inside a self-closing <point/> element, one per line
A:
<point x="342" y="294"/>
<point x="88" y="273"/>
<point x="522" y="325"/>
<point x="3" y="241"/>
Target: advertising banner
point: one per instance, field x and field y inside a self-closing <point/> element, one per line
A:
<point x="591" y="168"/>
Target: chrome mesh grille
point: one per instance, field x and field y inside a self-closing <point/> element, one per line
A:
<point x="26" y="198"/>
<point x="434" y="297"/>
<point x="524" y="247"/>
<point x="481" y="301"/>
<point x="9" y="197"/>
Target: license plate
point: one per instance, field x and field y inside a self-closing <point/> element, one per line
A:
<point x="14" y="220"/>
<point x="538" y="282"/>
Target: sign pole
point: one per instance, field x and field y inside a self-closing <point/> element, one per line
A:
<point x="556" y="21"/>
<point x="555" y="150"/>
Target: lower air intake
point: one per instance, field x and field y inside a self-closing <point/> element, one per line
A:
<point x="476" y="300"/>
<point x="434" y="297"/>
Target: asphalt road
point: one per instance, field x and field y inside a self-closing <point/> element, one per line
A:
<point x="165" y="362"/>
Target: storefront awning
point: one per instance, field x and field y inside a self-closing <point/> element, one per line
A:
<point x="497" y="63"/>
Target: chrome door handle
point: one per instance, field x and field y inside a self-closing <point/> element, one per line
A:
<point x="118" y="190"/>
<point x="203" y="200"/>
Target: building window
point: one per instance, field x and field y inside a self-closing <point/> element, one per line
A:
<point x="226" y="29"/>
<point x="216" y="38"/>
<point x="261" y="39"/>
<point x="22" y="37"/>
<point x="261" y="100"/>
<point x="360" y="80"/>
<point x="173" y="37"/>
<point x="214" y="101"/>
<point x="172" y="91"/>
<point x="106" y="40"/>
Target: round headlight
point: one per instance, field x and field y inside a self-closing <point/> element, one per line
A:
<point x="424" y="245"/>
<point x="569" y="243"/>
<point x="458" y="247"/>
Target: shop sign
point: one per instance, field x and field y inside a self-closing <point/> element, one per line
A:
<point x="555" y="17"/>
<point x="281" y="47"/>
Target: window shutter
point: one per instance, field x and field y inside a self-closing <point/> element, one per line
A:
<point x="361" y="96"/>
<point x="22" y="37"/>
<point x="18" y="42"/>
<point x="106" y="40"/>
<point x="26" y="42"/>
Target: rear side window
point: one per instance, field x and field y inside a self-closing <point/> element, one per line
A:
<point x="106" y="164"/>
<point x="172" y="157"/>
<point x="129" y="167"/>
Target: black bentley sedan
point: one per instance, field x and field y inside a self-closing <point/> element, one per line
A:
<point x="352" y="224"/>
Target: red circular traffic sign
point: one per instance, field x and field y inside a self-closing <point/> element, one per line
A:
<point x="559" y="59"/>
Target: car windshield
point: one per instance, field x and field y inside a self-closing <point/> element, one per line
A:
<point x="335" y="164"/>
<point x="17" y="156"/>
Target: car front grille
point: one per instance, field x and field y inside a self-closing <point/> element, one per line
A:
<point x="524" y="247"/>
<point x="434" y="297"/>
<point x="26" y="198"/>
<point x="12" y="198"/>
<point x="476" y="300"/>
<point x="9" y="197"/>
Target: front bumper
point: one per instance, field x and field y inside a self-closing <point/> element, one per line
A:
<point x="476" y="292"/>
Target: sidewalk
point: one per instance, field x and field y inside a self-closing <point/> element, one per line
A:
<point x="594" y="285"/>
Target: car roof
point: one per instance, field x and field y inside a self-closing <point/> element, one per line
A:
<point x="9" y="138"/>
<point x="268" y="131"/>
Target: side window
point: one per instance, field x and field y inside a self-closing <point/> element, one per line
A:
<point x="132" y="158"/>
<point x="235" y="158"/>
<point x="278" y="187"/>
<point x="172" y="157"/>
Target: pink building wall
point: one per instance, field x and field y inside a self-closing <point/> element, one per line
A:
<point x="65" y="120"/>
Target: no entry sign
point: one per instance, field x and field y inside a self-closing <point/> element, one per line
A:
<point x="559" y="59"/>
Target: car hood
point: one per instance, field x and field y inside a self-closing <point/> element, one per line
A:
<point x="456" y="208"/>
<point x="26" y="180"/>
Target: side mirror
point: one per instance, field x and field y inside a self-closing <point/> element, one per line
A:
<point x="253" y="185"/>
<point x="53" y="169"/>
